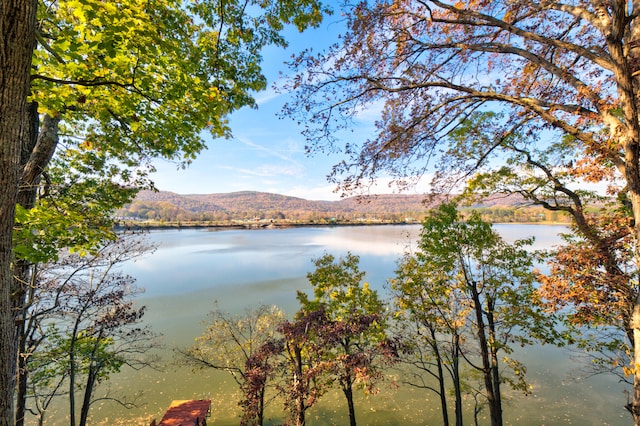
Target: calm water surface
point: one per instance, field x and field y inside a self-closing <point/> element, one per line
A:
<point x="241" y="268"/>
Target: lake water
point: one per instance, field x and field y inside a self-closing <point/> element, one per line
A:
<point x="241" y="268"/>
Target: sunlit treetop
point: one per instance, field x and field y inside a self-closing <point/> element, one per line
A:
<point x="117" y="84"/>
<point x="139" y="78"/>
<point x="552" y="70"/>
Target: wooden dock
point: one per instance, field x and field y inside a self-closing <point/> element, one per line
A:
<point x="186" y="413"/>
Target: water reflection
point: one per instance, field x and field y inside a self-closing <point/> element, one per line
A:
<point x="238" y="268"/>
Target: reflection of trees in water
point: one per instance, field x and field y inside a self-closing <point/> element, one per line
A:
<point x="178" y="316"/>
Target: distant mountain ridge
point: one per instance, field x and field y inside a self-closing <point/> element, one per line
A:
<point x="254" y="201"/>
<point x="245" y="205"/>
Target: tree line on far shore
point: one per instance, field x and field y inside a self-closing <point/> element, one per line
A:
<point x="159" y="213"/>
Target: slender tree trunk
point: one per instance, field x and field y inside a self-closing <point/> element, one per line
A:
<point x="456" y="378"/>
<point x="261" y="406"/>
<point x="21" y="396"/>
<point x="37" y="150"/>
<point x="86" y="403"/>
<point x="347" y="389"/>
<point x="94" y="370"/>
<point x="17" y="41"/>
<point x="494" y="409"/>
<point x="493" y="353"/>
<point x="72" y="374"/>
<point x="300" y="389"/>
<point x="23" y="270"/>
<point x="441" y="386"/>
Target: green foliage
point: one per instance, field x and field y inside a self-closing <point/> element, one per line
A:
<point x="91" y="353"/>
<point x="470" y="252"/>
<point x="47" y="365"/>
<point x="229" y="341"/>
<point x="139" y="78"/>
<point x="351" y="341"/>
<point x="74" y="211"/>
<point x="81" y="325"/>
<point x="132" y="81"/>
<point x="338" y="287"/>
<point x="466" y="294"/>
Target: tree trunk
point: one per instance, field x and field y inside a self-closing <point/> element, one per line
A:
<point x="86" y="403"/>
<point x="21" y="396"/>
<point x="17" y="41"/>
<point x="456" y="378"/>
<point x="495" y="371"/>
<point x="300" y="388"/>
<point x="441" y="384"/>
<point x="261" y="405"/>
<point x="38" y="148"/>
<point x="347" y="389"/>
<point x="494" y="408"/>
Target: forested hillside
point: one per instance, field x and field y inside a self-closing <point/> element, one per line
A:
<point x="166" y="206"/>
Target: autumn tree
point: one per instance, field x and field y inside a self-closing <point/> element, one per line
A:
<point x="430" y="321"/>
<point x="259" y="369"/>
<point x="241" y="346"/>
<point x="126" y="82"/>
<point x="336" y="336"/>
<point x="467" y="285"/>
<point x="355" y="333"/>
<point x="75" y="215"/>
<point x="302" y="366"/>
<point x="580" y="285"/>
<point x="82" y="326"/>
<point x="561" y="80"/>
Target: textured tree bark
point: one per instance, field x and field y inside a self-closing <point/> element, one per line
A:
<point x="17" y="41"/>
<point x="633" y="179"/>
<point x="38" y="147"/>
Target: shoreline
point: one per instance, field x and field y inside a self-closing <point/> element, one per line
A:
<point x="119" y="226"/>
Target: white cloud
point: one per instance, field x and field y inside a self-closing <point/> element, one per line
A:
<point x="322" y="192"/>
<point x="266" y="96"/>
<point x="281" y="170"/>
<point x="269" y="151"/>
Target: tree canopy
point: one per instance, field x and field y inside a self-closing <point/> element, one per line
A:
<point x="538" y="98"/>
<point x="103" y="87"/>
<point x="463" y="295"/>
<point x="550" y="69"/>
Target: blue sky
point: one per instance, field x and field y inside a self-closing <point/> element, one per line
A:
<point x="266" y="153"/>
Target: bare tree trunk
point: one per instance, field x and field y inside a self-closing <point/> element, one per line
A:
<point x="347" y="389"/>
<point x="299" y="388"/>
<point x="495" y="408"/>
<point x="17" y="41"/>
<point x="37" y="150"/>
<point x="88" y="391"/>
<point x="23" y="270"/>
<point x="441" y="384"/>
<point x="261" y="406"/>
<point x="493" y="353"/>
<point x="456" y="379"/>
